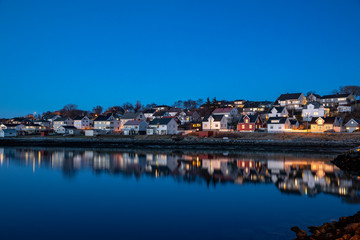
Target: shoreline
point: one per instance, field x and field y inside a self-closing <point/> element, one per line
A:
<point x="275" y="145"/>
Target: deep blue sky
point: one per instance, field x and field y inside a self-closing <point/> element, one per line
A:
<point x="109" y="52"/>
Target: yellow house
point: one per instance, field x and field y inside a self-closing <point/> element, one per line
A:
<point x="329" y="124"/>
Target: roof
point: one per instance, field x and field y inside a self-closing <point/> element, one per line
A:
<point x="316" y="104"/>
<point x="69" y="127"/>
<point x="252" y="118"/>
<point x="335" y="95"/>
<point x="160" y="121"/>
<point x="289" y="96"/>
<point x="11" y="125"/>
<point x="79" y="117"/>
<point x="50" y="116"/>
<point x="133" y="122"/>
<point x="149" y="111"/>
<point x="278" y="109"/>
<point x="217" y="118"/>
<point x="101" y="118"/>
<point x="277" y="120"/>
<point x="251" y="105"/>
<point x="159" y="114"/>
<point x="293" y="121"/>
<point x="354" y="119"/>
<point x="61" y="119"/>
<point x="222" y="110"/>
<point x="130" y="115"/>
<point x="328" y="120"/>
<point x="175" y="110"/>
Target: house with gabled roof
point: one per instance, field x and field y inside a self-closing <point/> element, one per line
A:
<point x="214" y="123"/>
<point x="314" y="109"/>
<point x="17" y="127"/>
<point x="43" y="123"/>
<point x="148" y="114"/>
<point x="51" y="118"/>
<point x="251" y="108"/>
<point x="291" y="101"/>
<point x="161" y="114"/>
<point x="335" y="100"/>
<point x="328" y="124"/>
<point x="278" y="124"/>
<point x="162" y="126"/>
<point x="353" y="125"/>
<point x="134" y="127"/>
<point x="108" y="123"/>
<point x="71" y="130"/>
<point x="227" y="112"/>
<point x="131" y="116"/>
<point x="313" y="97"/>
<point x="63" y="121"/>
<point x="83" y="122"/>
<point x="278" y="112"/>
<point x="250" y="123"/>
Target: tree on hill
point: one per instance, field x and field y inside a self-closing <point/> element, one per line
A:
<point x="97" y="110"/>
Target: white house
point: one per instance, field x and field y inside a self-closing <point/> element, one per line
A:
<point x="8" y="133"/>
<point x="313" y="109"/>
<point x="17" y="127"/>
<point x="51" y="118"/>
<point x="131" y="116"/>
<point x="278" y="112"/>
<point x="83" y="122"/>
<point x="214" y="123"/>
<point x="352" y="125"/>
<point x="33" y="128"/>
<point x="148" y="114"/>
<point x="64" y="121"/>
<point x="134" y="127"/>
<point x="344" y="108"/>
<point x="278" y="124"/>
<point x="68" y="130"/>
<point x="291" y="100"/>
<point x="108" y="123"/>
<point x="174" y="111"/>
<point x="336" y="100"/>
<point x="162" y="126"/>
<point x="227" y="112"/>
<point x="43" y="123"/>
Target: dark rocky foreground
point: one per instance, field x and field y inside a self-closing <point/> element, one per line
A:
<point x="349" y="161"/>
<point x="347" y="228"/>
<point x="292" y="145"/>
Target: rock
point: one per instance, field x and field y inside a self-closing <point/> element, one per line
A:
<point x="352" y="227"/>
<point x="299" y="233"/>
<point x="355" y="237"/>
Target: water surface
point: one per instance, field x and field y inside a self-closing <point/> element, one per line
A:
<point x="49" y="193"/>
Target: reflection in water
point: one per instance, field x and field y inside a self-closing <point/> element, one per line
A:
<point x="292" y="174"/>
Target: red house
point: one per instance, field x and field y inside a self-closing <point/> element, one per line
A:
<point x="250" y="123"/>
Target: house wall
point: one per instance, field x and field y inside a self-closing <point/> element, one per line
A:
<point x="311" y="112"/>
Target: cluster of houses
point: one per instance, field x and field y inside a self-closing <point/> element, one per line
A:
<point x="291" y="112"/>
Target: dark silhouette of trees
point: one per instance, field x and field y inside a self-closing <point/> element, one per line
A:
<point x="128" y="107"/>
<point x="138" y="107"/>
<point x="97" y="110"/>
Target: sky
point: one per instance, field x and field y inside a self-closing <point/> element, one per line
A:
<point x="109" y="52"/>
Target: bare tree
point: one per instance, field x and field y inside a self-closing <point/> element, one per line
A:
<point x="355" y="90"/>
<point x="138" y="106"/>
<point x="199" y="102"/>
<point x="128" y="107"/>
<point x="178" y="104"/>
<point x="69" y="110"/>
<point x="115" y="109"/>
<point x="98" y="110"/>
<point x="151" y="105"/>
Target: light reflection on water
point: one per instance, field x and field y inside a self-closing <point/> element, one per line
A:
<point x="245" y="185"/>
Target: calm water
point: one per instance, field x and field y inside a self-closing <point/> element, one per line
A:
<point x="115" y="194"/>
